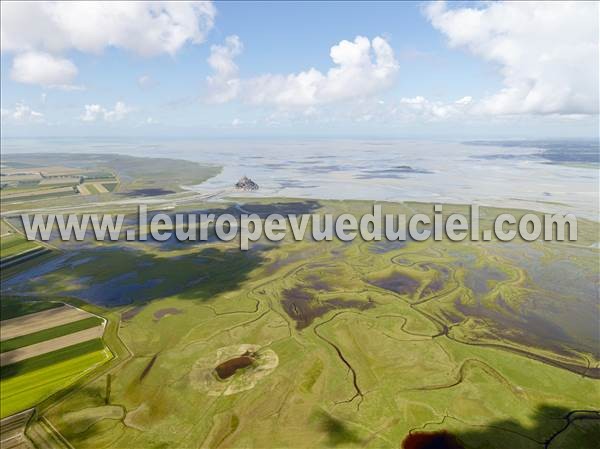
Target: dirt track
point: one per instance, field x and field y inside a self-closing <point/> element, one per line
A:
<point x="6" y="358"/>
<point x="15" y="327"/>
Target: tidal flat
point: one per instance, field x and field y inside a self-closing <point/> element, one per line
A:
<point x="549" y="176"/>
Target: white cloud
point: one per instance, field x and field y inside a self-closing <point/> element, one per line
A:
<point x="118" y="113"/>
<point x="375" y="111"/>
<point x="22" y="113"/>
<point x="146" y="28"/>
<point x="43" y="69"/>
<point x="224" y="84"/>
<point x="548" y="52"/>
<point x="464" y="100"/>
<point x="432" y="110"/>
<point x="146" y="82"/>
<point x="94" y="112"/>
<point x="362" y="68"/>
<point x="413" y="101"/>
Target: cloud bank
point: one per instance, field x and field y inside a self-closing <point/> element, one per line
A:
<point x="21" y="113"/>
<point x="362" y="68"/>
<point x="95" y="112"/>
<point x="547" y="52"/>
<point x="224" y="84"/>
<point x="43" y="69"/>
<point x="39" y="32"/>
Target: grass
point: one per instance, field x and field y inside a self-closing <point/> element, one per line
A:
<point x="353" y="376"/>
<point x="5" y="228"/>
<point x="50" y="358"/>
<point x="99" y="176"/>
<point x="14" y="244"/>
<point x="58" y="193"/>
<point x="132" y="172"/>
<point x="128" y="176"/>
<point x="27" y="389"/>
<point x="91" y="188"/>
<point x="13" y="307"/>
<point x="42" y="384"/>
<point x="407" y="377"/>
<point x="48" y="334"/>
<point x="110" y="186"/>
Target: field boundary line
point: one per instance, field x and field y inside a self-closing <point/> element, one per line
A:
<point x="39" y="242"/>
<point x="102" y="370"/>
<point x="55" y="432"/>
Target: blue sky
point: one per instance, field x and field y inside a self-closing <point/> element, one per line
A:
<point x="455" y="71"/>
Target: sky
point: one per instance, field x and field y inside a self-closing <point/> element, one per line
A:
<point x="456" y="70"/>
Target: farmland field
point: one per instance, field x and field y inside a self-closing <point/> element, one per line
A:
<point x="40" y="321"/>
<point x="41" y="180"/>
<point x="12" y="308"/>
<point x="14" y="244"/>
<point x="47" y="334"/>
<point x="45" y="347"/>
<point x="24" y="390"/>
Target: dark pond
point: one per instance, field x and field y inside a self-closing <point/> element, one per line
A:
<point x="229" y="367"/>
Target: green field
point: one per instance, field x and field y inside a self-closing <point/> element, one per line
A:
<point x="12" y="307"/>
<point x="353" y="344"/>
<point x="38" y="196"/>
<point x="48" y="334"/>
<point x="13" y="244"/>
<point x="29" y="388"/>
<point x="92" y="189"/>
<point x="50" y="358"/>
<point x="5" y="228"/>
